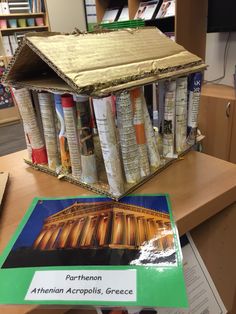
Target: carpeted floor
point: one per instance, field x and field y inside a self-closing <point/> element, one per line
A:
<point x="12" y="139"/>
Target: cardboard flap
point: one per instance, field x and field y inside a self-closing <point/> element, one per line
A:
<point x="94" y="63"/>
<point x="29" y="70"/>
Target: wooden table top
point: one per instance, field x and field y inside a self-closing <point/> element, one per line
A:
<point x="199" y="186"/>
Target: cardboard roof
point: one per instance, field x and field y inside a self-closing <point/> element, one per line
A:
<point x="98" y="63"/>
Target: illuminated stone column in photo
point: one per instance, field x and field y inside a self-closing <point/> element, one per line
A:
<point x="161" y="226"/>
<point x="85" y="230"/>
<point x="45" y="239"/>
<point x="39" y="238"/>
<point x="88" y="235"/>
<point x="152" y="229"/>
<point x="165" y="237"/>
<point x="141" y="231"/>
<point x="167" y="225"/>
<point x="64" y="235"/>
<point x="103" y="229"/>
<point x="118" y="228"/>
<point x="158" y="242"/>
<point x="130" y="230"/>
<point x="75" y="233"/>
<point x="169" y="238"/>
<point x="51" y="242"/>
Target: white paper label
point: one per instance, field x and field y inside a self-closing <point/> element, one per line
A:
<point x="83" y="285"/>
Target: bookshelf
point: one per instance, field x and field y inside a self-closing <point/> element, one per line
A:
<point x="189" y="24"/>
<point x="35" y="18"/>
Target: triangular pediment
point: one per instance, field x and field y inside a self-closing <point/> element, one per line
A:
<point x="82" y="208"/>
<point x="29" y="70"/>
<point x="78" y="207"/>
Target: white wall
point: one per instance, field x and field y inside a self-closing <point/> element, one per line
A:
<point x="215" y="47"/>
<point x="65" y="15"/>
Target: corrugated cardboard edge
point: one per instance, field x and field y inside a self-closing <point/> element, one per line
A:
<point x="69" y="82"/>
<point x="14" y="58"/>
<point x="38" y="88"/>
<point x="97" y="90"/>
<point x="129" y="82"/>
<point x="149" y="80"/>
<point x="98" y="190"/>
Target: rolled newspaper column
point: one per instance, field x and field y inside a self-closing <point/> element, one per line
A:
<point x="152" y="147"/>
<point x="128" y="142"/>
<point x="88" y="159"/>
<point x="160" y="122"/>
<point x="154" y="105"/>
<point x="93" y="121"/>
<point x="161" y="106"/>
<point x="195" y="83"/>
<point x="69" y="110"/>
<point x="169" y="119"/>
<point x="138" y="120"/>
<point x="28" y="144"/>
<point x="110" y="149"/>
<point x="63" y="143"/>
<point x="181" y="114"/>
<point x="25" y="105"/>
<point x="49" y="129"/>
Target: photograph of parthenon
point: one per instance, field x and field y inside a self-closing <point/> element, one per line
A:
<point x="99" y="233"/>
<point x="103" y="224"/>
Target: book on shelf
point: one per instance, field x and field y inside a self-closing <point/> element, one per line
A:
<point x="90" y="2"/>
<point x="39" y="6"/>
<point x="124" y="14"/>
<point x="4" y="8"/>
<point x="110" y="15"/>
<point x="6" y="45"/>
<point x="91" y="15"/>
<point x="147" y="10"/>
<point x="19" y="6"/>
<point x="6" y="100"/>
<point x="13" y="43"/>
<point x="36" y="6"/>
<point x="91" y="9"/>
<point x="167" y="9"/>
<point x="10" y="44"/>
